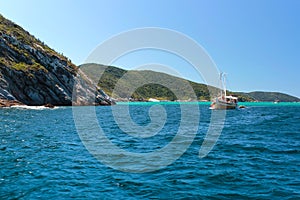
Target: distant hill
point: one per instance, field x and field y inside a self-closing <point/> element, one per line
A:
<point x="187" y="90"/>
<point x="272" y="96"/>
<point x="129" y="79"/>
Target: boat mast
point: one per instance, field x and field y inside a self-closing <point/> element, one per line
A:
<point x="221" y="83"/>
<point x="224" y="83"/>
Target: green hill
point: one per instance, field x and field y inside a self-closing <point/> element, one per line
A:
<point x="272" y="96"/>
<point x="32" y="73"/>
<point x="130" y="79"/>
<point x="160" y="85"/>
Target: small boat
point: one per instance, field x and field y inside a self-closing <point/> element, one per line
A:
<point x="224" y="102"/>
<point x="153" y="100"/>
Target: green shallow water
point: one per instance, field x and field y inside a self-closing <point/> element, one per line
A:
<point x="208" y="103"/>
<point x="270" y="103"/>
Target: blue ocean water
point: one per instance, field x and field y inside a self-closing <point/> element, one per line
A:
<point x="257" y="156"/>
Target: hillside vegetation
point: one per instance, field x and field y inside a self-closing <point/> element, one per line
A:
<point x="32" y="73"/>
<point x="21" y="42"/>
<point x="158" y="85"/>
<point x="273" y="96"/>
<point x="161" y="86"/>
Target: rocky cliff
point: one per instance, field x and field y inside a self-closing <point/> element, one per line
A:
<point x="31" y="73"/>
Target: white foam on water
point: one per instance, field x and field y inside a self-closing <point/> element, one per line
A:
<point x="32" y="107"/>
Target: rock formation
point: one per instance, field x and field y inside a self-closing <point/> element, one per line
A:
<point x="31" y="73"/>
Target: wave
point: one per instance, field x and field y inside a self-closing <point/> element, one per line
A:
<point x="32" y="107"/>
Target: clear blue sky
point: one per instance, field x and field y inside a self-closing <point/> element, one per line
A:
<point x="255" y="41"/>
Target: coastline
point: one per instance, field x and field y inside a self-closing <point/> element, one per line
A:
<point x="15" y="104"/>
<point x="8" y="103"/>
<point x="250" y="104"/>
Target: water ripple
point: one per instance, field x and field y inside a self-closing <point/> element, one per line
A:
<point x="257" y="156"/>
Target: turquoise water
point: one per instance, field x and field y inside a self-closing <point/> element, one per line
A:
<point x="252" y="104"/>
<point x="257" y="156"/>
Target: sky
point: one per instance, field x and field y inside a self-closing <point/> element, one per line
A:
<point x="256" y="42"/>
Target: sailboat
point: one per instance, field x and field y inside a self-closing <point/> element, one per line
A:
<point x="223" y="102"/>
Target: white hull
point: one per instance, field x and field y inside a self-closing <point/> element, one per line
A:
<point x="225" y="103"/>
<point x="223" y="106"/>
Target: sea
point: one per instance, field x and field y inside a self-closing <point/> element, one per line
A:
<point x="150" y="151"/>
